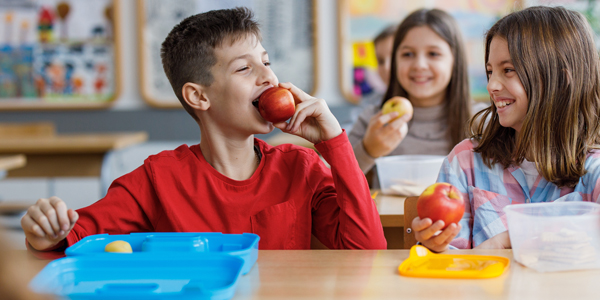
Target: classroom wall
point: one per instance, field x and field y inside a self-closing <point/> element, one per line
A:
<point x="131" y="113"/>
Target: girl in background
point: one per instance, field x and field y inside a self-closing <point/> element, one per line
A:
<point x="429" y="68"/>
<point x="542" y="136"/>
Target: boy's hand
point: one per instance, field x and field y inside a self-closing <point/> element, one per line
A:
<point x="425" y="233"/>
<point x="499" y="241"/>
<point x="312" y="120"/>
<point x="384" y="134"/>
<point x="48" y="222"/>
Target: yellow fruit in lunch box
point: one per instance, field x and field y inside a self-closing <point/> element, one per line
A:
<point x="118" y="246"/>
<point x="399" y="104"/>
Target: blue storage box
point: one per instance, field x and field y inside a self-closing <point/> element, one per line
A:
<point x="243" y="245"/>
<point x="154" y="276"/>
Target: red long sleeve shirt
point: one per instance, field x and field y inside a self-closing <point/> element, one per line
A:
<point x="290" y="195"/>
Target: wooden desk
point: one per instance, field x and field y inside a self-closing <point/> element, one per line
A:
<point x="9" y="162"/>
<point x="365" y="274"/>
<point x="66" y="155"/>
<point x="391" y="213"/>
<point x="391" y="209"/>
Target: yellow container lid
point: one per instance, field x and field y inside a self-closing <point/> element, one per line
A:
<point x="424" y="263"/>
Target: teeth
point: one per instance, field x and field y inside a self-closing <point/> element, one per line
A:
<point x="501" y="104"/>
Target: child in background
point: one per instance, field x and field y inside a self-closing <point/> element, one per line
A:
<point x="383" y="42"/>
<point x="428" y="67"/>
<point x="542" y="136"/>
<point x="384" y="46"/>
<point x="231" y="182"/>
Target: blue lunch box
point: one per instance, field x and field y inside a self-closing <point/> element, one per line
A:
<point x="243" y="245"/>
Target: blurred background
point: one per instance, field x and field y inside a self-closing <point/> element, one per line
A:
<point x="92" y="68"/>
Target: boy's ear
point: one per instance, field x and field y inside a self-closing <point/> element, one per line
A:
<point x="195" y="96"/>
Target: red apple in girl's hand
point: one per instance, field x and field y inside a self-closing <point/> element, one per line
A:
<point x="276" y="105"/>
<point x="441" y="201"/>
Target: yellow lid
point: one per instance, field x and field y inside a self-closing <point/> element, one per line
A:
<point x="423" y="263"/>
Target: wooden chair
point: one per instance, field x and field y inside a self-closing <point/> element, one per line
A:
<point x="410" y="212"/>
<point x="41" y="129"/>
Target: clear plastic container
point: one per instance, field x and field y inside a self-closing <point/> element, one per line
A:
<point x="407" y="175"/>
<point x="555" y="236"/>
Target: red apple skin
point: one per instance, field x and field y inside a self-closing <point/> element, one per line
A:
<point x="276" y="105"/>
<point x="441" y="201"/>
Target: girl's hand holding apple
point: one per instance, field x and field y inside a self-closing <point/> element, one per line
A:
<point x="312" y="119"/>
<point x="388" y="128"/>
<point x="439" y="205"/>
<point x="426" y="233"/>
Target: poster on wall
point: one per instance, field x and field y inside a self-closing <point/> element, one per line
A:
<point x="288" y="30"/>
<point x="57" y="54"/>
<point x="362" y="20"/>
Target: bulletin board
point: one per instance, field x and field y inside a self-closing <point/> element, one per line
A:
<point x="289" y="31"/>
<point x="361" y="20"/>
<point x="58" y="54"/>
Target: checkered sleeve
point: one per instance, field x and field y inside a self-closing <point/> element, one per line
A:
<point x="455" y="170"/>
<point x="592" y="177"/>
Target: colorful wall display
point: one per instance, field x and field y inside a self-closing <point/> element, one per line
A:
<point x="57" y="54"/>
<point x="288" y="30"/>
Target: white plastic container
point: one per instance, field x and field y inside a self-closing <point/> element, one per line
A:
<point x="555" y="236"/>
<point x="407" y="175"/>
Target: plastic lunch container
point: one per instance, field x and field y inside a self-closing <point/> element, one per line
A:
<point x="243" y="245"/>
<point x="408" y="175"/>
<point x="208" y="276"/>
<point x="424" y="263"/>
<point x="555" y="236"/>
<point x="182" y="265"/>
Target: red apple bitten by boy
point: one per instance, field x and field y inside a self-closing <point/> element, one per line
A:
<point x="441" y="201"/>
<point x="276" y="105"/>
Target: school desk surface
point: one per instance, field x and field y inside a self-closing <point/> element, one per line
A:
<point x="372" y="274"/>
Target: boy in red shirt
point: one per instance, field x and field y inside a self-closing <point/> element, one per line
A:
<point x="231" y="182"/>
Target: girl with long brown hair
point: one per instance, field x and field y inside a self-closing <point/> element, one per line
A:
<point x="540" y="138"/>
<point x="429" y="68"/>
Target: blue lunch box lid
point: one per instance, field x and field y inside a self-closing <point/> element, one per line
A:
<point x="208" y="276"/>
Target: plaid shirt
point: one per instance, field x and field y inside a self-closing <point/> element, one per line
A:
<point x="489" y="190"/>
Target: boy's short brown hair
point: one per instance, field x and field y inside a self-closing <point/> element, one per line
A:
<point x="188" y="51"/>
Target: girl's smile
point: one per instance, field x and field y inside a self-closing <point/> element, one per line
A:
<point x="421" y="79"/>
<point x="502" y="103"/>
